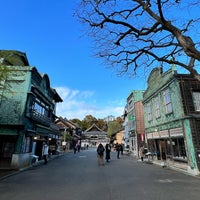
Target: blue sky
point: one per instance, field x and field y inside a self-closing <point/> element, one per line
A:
<point x="53" y="41"/>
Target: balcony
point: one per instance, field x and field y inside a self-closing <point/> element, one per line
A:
<point x="38" y="117"/>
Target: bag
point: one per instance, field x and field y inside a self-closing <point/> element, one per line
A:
<point x="100" y="151"/>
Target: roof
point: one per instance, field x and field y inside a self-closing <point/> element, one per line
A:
<point x="64" y="123"/>
<point x="94" y="130"/>
<point x="13" y="58"/>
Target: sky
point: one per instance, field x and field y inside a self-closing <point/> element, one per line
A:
<point x="54" y="43"/>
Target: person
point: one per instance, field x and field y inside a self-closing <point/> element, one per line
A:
<point x="45" y="152"/>
<point x="121" y="148"/>
<point x="142" y="153"/>
<point x="75" y="148"/>
<point x="108" y="150"/>
<point x="100" y="154"/>
<point x="118" y="149"/>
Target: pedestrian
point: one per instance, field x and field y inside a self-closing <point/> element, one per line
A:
<point x="100" y="154"/>
<point x="75" y="148"/>
<point x="45" y="152"/>
<point x="141" y="153"/>
<point x="108" y="150"/>
<point x="118" y="149"/>
<point x="121" y="148"/>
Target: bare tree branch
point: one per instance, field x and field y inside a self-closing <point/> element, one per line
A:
<point x="136" y="33"/>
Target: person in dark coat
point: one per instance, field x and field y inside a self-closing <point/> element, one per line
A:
<point x="118" y="149"/>
<point x="108" y="150"/>
<point x="100" y="154"/>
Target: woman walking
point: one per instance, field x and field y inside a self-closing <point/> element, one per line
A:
<point x="100" y="154"/>
<point x="108" y="150"/>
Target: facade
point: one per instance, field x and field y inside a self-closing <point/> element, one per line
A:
<point x="109" y="118"/>
<point x="134" y="122"/>
<point x="118" y="137"/>
<point x="172" y="119"/>
<point x="27" y="112"/>
<point x="94" y="135"/>
<point x="68" y="128"/>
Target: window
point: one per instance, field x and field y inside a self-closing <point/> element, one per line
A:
<point x="130" y="104"/>
<point x="196" y="100"/>
<point x="179" y="148"/>
<point x="167" y="101"/>
<point x="40" y="108"/>
<point x="157" y="107"/>
<point x="149" y="112"/>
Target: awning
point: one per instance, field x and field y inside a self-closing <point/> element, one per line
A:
<point x="42" y="130"/>
<point x="10" y="130"/>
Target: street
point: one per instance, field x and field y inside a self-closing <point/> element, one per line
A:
<point x="78" y="177"/>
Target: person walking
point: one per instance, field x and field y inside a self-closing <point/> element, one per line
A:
<point x="142" y="153"/>
<point x="121" y="148"/>
<point x="45" y="152"/>
<point x="108" y="150"/>
<point x="118" y="149"/>
<point x="100" y="154"/>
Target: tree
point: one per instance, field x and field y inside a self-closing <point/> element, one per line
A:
<point x="88" y="121"/>
<point x="102" y="124"/>
<point x="133" y="34"/>
<point x="76" y="121"/>
<point x="119" y="120"/>
<point x="113" y="127"/>
<point x="4" y="73"/>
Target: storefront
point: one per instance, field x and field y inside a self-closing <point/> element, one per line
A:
<point x="167" y="145"/>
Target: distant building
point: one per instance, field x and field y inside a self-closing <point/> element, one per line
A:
<point x="134" y="121"/>
<point x="94" y="135"/>
<point x="27" y="112"/>
<point x="109" y="118"/>
<point x="68" y="127"/>
<point x="118" y="137"/>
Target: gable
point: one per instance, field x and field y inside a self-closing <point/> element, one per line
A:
<point x="94" y="128"/>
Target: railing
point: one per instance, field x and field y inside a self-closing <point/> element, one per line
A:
<point x="40" y="118"/>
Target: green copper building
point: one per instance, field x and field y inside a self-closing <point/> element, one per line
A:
<point x="172" y="119"/>
<point x="27" y="111"/>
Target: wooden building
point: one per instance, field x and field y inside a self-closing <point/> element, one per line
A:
<point x="27" y="112"/>
<point x="94" y="135"/>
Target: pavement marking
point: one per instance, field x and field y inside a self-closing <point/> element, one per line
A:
<point x="165" y="181"/>
<point x="82" y="156"/>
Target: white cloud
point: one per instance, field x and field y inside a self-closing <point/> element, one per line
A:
<point x="78" y="104"/>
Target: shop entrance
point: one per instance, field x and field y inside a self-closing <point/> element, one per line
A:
<point x="162" y="149"/>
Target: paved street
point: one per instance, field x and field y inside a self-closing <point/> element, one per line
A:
<point x="78" y="177"/>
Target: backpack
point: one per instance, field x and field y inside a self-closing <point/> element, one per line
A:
<point x="100" y="151"/>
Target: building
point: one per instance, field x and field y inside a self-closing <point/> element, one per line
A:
<point x="94" y="135"/>
<point x="134" y="122"/>
<point x="172" y="119"/>
<point x="109" y="118"/>
<point x="27" y="112"/>
<point x="118" y="137"/>
<point x="68" y="128"/>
